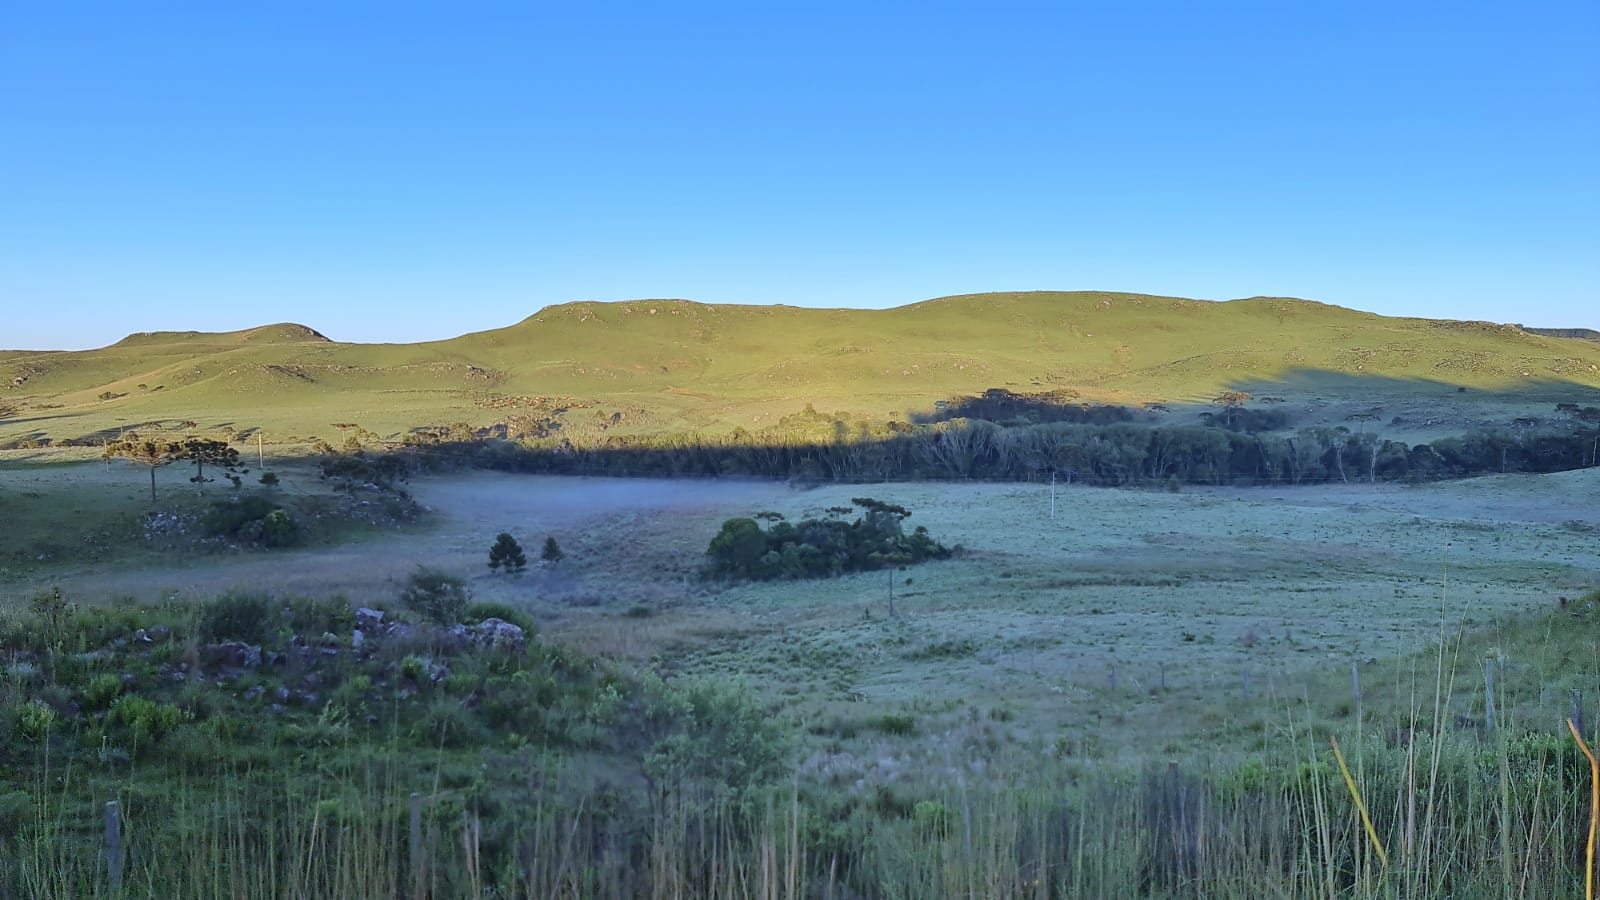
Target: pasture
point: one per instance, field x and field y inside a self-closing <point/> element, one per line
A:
<point x="1134" y="625"/>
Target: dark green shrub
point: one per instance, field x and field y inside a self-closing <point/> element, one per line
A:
<point x="101" y="691"/>
<point x="251" y="519"/>
<point x="435" y="595"/>
<point x="142" y="720"/>
<point x="899" y="726"/>
<point x="483" y="609"/>
<point x="447" y="723"/>
<point x="237" y="617"/>
<point x="722" y="738"/>
<point x="315" y="616"/>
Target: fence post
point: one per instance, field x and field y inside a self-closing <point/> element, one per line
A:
<point x="114" y="847"/>
<point x="418" y="868"/>
<point x="1488" y="695"/>
<point x="1355" y="690"/>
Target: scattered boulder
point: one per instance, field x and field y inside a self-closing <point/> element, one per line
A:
<point x="231" y="655"/>
<point x="500" y="635"/>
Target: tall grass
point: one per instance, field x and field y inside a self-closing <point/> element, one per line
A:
<point x="1506" y="821"/>
<point x="1451" y="812"/>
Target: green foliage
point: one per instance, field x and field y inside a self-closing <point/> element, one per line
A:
<point x="238" y="616"/>
<point x="552" y="551"/>
<point x="897" y="725"/>
<point x="143" y="721"/>
<point x="101" y="691"/>
<point x="507" y="552"/>
<point x="318" y="615"/>
<point x="51" y="610"/>
<point x="446" y="723"/>
<point x="505" y="612"/>
<point x="251" y="519"/>
<point x="435" y="595"/>
<point x="722" y="739"/>
<point x="36" y="719"/>
<point x="384" y="470"/>
<point x="818" y="548"/>
<point x="269" y="479"/>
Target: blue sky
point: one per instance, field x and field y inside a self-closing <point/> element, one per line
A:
<point x="406" y="171"/>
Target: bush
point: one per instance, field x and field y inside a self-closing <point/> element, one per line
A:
<point x="724" y="739"/>
<point x="237" y="617"/>
<point x="144" y="720"/>
<point x="251" y="519"/>
<point x="435" y="595"/>
<point x="314" y="616"/>
<point x="100" y="692"/>
<point x="505" y="612"/>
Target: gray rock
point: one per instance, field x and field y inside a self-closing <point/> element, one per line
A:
<point x="231" y="655"/>
<point x="500" y="635"/>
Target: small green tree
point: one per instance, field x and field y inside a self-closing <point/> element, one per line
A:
<point x="552" y="551"/>
<point x="507" y="552"/>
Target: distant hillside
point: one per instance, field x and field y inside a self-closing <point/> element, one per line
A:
<point x="655" y="365"/>
<point x="1577" y="334"/>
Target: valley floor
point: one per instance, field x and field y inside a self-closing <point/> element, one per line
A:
<point x="1131" y="625"/>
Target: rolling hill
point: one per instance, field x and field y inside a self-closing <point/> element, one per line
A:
<point x="654" y="365"/>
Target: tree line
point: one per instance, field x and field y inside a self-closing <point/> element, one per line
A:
<point x="1119" y="454"/>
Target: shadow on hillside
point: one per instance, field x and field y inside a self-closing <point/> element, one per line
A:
<point x="1309" y="427"/>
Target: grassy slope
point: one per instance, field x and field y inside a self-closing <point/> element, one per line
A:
<point x="675" y="364"/>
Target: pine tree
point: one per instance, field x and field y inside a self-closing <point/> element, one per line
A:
<point x="507" y="552"/>
<point x="552" y="551"/>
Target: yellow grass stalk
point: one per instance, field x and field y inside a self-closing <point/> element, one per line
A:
<point x="1361" y="806"/>
<point x="1594" y="808"/>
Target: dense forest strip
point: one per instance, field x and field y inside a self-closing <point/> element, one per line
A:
<point x="1121" y="454"/>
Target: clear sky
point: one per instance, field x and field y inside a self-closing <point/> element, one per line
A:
<point x="403" y="171"/>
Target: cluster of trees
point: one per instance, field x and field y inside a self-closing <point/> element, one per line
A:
<point x="506" y="552"/>
<point x="1119" y="454"/>
<point x="153" y="454"/>
<point x="818" y="548"/>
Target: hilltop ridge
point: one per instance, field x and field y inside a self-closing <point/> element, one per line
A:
<point x="645" y="366"/>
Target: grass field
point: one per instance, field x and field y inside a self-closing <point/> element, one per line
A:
<point x="1012" y="700"/>
<point x="670" y="365"/>
<point x="1132" y="620"/>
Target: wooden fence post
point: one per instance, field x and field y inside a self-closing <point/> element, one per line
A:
<point x="418" y="867"/>
<point x="1488" y="695"/>
<point x="1355" y="690"/>
<point x="114" y="847"/>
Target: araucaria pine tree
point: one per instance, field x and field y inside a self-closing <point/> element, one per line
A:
<point x="552" y="551"/>
<point x="507" y="552"/>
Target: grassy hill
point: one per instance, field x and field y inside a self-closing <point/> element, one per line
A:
<point x="653" y="365"/>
